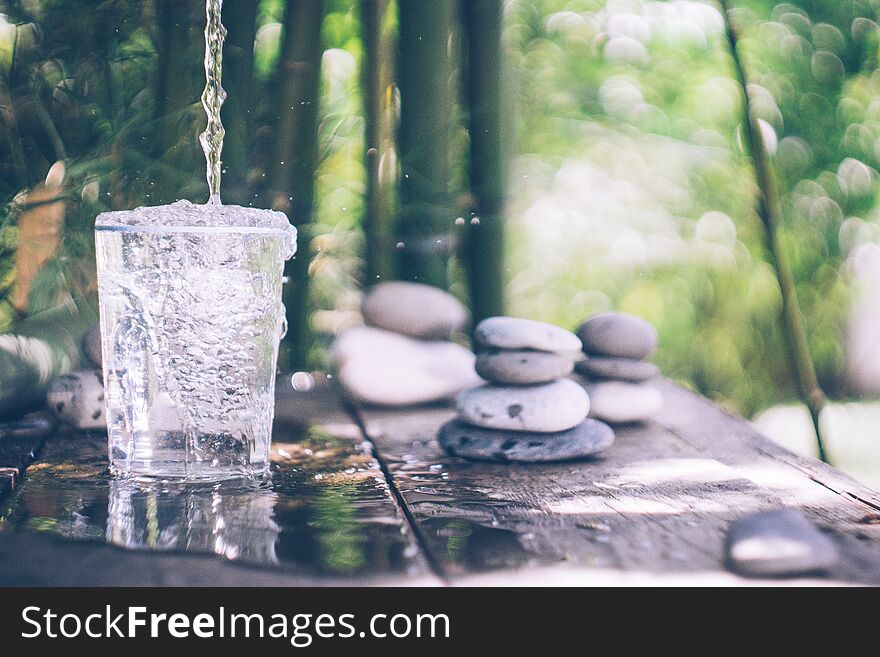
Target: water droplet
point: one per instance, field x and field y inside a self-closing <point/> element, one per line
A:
<point x="302" y="381"/>
<point x="475" y="221"/>
<point x="401" y="245"/>
<point x="459" y="221"/>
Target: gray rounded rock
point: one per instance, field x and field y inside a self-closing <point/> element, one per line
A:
<point x="91" y="344"/>
<point x="619" y="335"/>
<point x="777" y="543"/>
<point x="77" y="399"/>
<point x="617" y="402"/>
<point x="522" y="367"/>
<point x="413" y="309"/>
<point x="518" y="333"/>
<point x="549" y="407"/>
<point x="586" y="439"/>
<point x="619" y="369"/>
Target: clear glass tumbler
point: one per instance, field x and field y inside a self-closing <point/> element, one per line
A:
<point x="191" y="318"/>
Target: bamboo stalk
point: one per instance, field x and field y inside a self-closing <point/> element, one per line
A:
<point x="181" y="79"/>
<point x="425" y="216"/>
<point x="240" y="19"/>
<point x="379" y="148"/>
<point x="292" y="179"/>
<point x="770" y="211"/>
<point x="484" y="244"/>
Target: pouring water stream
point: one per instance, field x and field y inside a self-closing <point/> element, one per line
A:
<point x="213" y="96"/>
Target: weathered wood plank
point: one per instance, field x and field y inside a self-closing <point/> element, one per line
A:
<point x="328" y="515"/>
<point x="655" y="506"/>
<point x="19" y="441"/>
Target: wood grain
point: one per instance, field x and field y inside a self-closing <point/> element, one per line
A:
<point x="653" y="508"/>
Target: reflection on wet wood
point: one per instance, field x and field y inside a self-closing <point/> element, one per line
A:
<point x="655" y="507"/>
<point x="19" y="441"/>
<point x="328" y="514"/>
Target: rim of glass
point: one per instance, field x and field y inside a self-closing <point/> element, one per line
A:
<point x="119" y="228"/>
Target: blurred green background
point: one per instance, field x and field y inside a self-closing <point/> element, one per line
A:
<point x="628" y="185"/>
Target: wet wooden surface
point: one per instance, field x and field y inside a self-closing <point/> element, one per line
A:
<point x="368" y="497"/>
<point x="328" y="517"/>
<point x="653" y="509"/>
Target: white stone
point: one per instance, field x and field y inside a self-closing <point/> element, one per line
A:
<point x="548" y="407"/>
<point x="77" y="399"/>
<point x="387" y="369"/>
<point x="616" y="402"/>
<point x="518" y="333"/>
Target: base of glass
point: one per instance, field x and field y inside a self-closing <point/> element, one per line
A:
<point x="204" y="473"/>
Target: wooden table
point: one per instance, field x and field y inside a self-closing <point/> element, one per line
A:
<point x="366" y="496"/>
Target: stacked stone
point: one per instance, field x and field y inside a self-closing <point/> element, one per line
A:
<point x="616" y="346"/>
<point x="405" y="355"/>
<point x="528" y="411"/>
<point x="77" y="398"/>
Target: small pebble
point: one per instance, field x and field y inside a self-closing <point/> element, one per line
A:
<point x="619" y="335"/>
<point x="91" y="344"/>
<point x="618" y="369"/>
<point x="778" y="543"/>
<point x="622" y="403"/>
<point x="518" y="333"/>
<point x="77" y="399"/>
<point x="413" y="309"/>
<point x="522" y="367"/>
<point x="549" y="407"/>
<point x="586" y="439"/>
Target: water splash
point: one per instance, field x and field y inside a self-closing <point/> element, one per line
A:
<point x="213" y="96"/>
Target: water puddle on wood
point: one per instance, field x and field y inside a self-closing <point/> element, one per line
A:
<point x="327" y="508"/>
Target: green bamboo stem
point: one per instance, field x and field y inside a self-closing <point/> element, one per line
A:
<point x="377" y="85"/>
<point x="770" y="212"/>
<point x="182" y="78"/>
<point x="484" y="243"/>
<point x="425" y="216"/>
<point x="240" y="19"/>
<point x="292" y="179"/>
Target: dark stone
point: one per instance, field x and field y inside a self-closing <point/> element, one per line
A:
<point x="91" y="344"/>
<point x="618" y="369"/>
<point x="619" y="335"/>
<point x="586" y="439"/>
<point x="782" y="542"/>
<point x="522" y="367"/>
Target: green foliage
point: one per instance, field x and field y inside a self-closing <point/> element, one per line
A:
<point x="636" y="103"/>
<point x="630" y="189"/>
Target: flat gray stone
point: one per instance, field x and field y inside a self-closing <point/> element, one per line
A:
<point x="518" y="333"/>
<point x="91" y="344"/>
<point x="413" y="309"/>
<point x="77" y="399"/>
<point x="618" y="334"/>
<point x="522" y="367"/>
<point x="586" y="439"/>
<point x="618" y="369"/>
<point x="549" y="407"/>
<point x="617" y="402"/>
<point x="388" y="369"/>
<point x="777" y="543"/>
